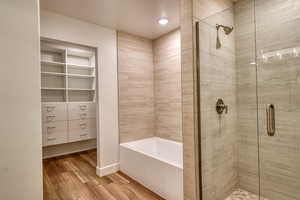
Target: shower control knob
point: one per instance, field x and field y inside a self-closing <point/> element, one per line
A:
<point x="221" y="107"/>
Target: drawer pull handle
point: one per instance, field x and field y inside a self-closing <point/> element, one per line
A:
<point x="83" y="126"/>
<point x="50" y="108"/>
<point x="82" y="135"/>
<point x="82" y="107"/>
<point x="83" y="116"/>
<point x="50" y="128"/>
<point x="50" y="117"/>
<point x="51" y="139"/>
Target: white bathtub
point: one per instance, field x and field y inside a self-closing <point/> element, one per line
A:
<point x="156" y="163"/>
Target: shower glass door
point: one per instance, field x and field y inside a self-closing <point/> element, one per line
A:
<point x="278" y="97"/>
<point x="227" y="77"/>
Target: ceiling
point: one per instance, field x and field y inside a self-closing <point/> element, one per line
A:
<point x="138" y="17"/>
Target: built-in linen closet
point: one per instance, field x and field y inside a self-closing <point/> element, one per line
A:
<point x="68" y="88"/>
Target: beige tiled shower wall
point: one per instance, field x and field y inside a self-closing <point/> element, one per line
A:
<point x="167" y="86"/>
<point x="246" y="91"/>
<point x="220" y="156"/>
<point x="189" y="106"/>
<point x="277" y="28"/>
<point x="149" y="87"/>
<point x="207" y="8"/>
<point x="218" y="80"/>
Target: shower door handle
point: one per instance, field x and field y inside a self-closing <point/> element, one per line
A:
<point x="270" y="119"/>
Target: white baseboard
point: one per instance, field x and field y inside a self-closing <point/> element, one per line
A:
<point x="67" y="153"/>
<point x="68" y="148"/>
<point x="109" y="169"/>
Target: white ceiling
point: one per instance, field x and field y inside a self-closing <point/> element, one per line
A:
<point x="138" y="17"/>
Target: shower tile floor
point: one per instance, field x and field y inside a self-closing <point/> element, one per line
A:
<point x="240" y="194"/>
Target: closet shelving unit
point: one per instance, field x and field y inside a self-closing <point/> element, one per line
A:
<point x="68" y="88"/>
<point x="68" y="71"/>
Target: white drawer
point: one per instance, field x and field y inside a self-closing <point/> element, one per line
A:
<point x="82" y="130"/>
<point x="81" y="111"/>
<point x="55" y="133"/>
<point x="54" y="112"/>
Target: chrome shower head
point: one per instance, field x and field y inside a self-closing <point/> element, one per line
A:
<point x="227" y="31"/>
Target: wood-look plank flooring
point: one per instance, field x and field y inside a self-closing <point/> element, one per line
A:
<point x="73" y="177"/>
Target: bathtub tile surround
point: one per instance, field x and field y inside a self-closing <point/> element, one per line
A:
<point x="136" y="83"/>
<point x="150" y="105"/>
<point x="160" y="167"/>
<point x="167" y="86"/>
<point x="149" y="87"/>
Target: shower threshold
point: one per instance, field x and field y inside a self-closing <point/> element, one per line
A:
<point x="240" y="194"/>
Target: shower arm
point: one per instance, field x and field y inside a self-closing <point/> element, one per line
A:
<point x="218" y="43"/>
<point x="227" y="31"/>
<point x="218" y="26"/>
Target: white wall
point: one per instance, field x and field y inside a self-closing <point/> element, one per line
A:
<point x="68" y="29"/>
<point x="20" y="118"/>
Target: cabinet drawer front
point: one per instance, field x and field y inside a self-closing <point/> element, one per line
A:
<point x="52" y="127"/>
<point x="55" y="138"/>
<point x="54" y="112"/>
<point x="55" y="133"/>
<point x="81" y="111"/>
<point x="81" y="129"/>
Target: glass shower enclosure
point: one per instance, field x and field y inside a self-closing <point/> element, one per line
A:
<point x="249" y="82"/>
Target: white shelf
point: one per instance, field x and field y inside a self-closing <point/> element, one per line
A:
<point x="47" y="88"/>
<point x="80" y="53"/>
<point x="53" y="73"/>
<point x="68" y="72"/>
<point x="80" y="66"/>
<point x="52" y="63"/>
<point x="72" y="89"/>
<point x="80" y="76"/>
<point x="50" y="47"/>
<point x="69" y="75"/>
<point x="80" y="89"/>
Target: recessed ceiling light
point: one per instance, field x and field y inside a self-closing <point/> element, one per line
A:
<point x="163" y="21"/>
